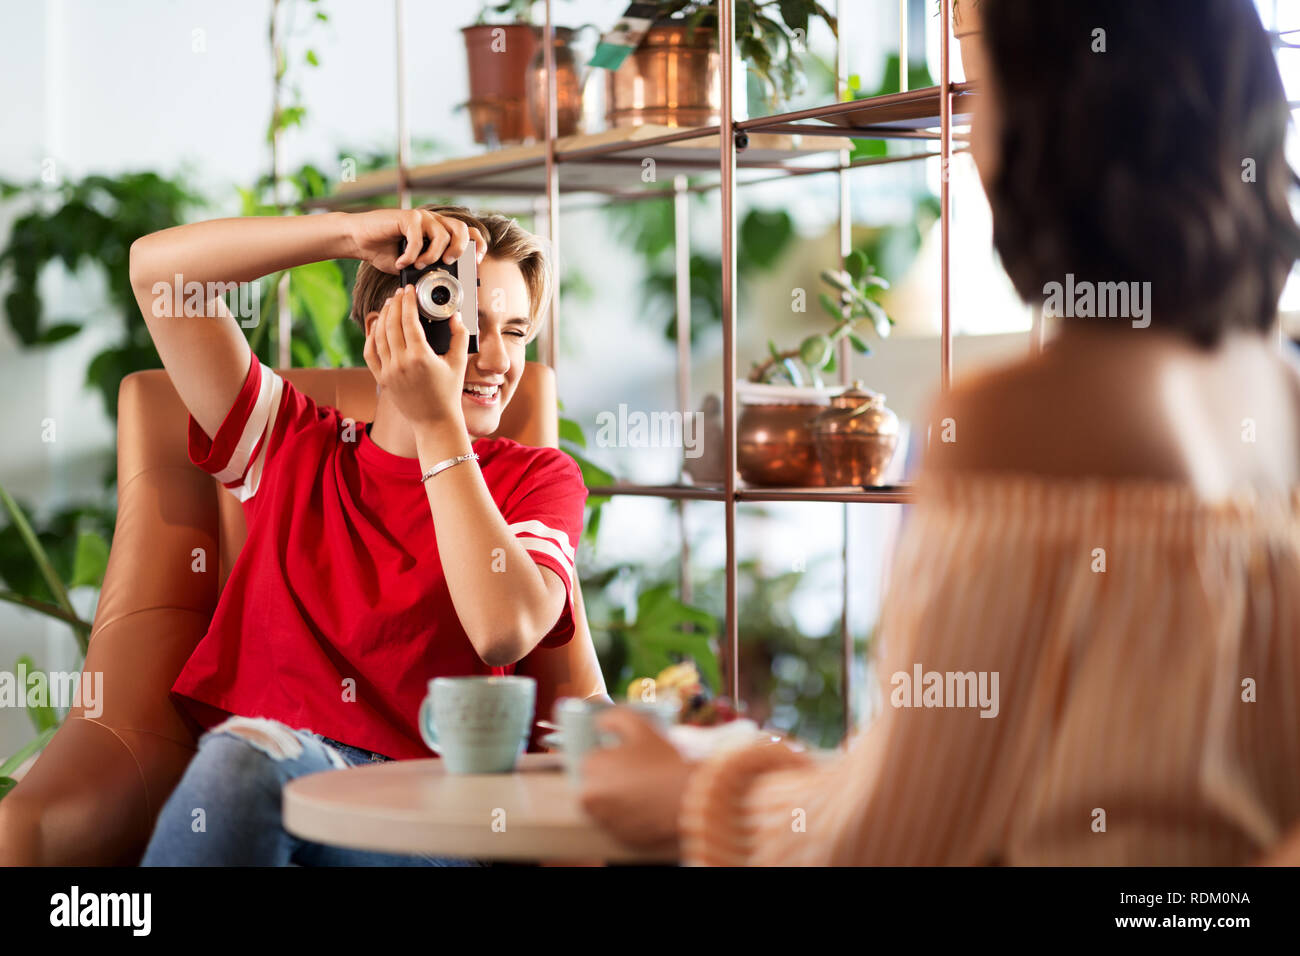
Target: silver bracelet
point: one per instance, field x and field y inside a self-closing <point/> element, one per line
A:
<point x="449" y="463"/>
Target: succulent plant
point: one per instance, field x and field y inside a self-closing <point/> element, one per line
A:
<point x="858" y="285"/>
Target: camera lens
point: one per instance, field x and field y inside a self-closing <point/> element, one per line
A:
<point x="438" y="294"/>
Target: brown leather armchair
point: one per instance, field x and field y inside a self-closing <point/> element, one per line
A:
<point x="93" y="795"/>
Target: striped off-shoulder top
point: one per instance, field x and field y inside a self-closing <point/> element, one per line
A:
<point x="1071" y="671"/>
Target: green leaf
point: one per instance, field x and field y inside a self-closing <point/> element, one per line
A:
<point x="287" y="117"/>
<point x="593" y="476"/>
<point x="312" y="58"/>
<point x="109" y="367"/>
<point x="37" y="552"/>
<point x="302" y="354"/>
<point x="765" y="235"/>
<point x="795" y="14"/>
<point x="571" y="431"/>
<point x="832" y="306"/>
<point x="57" y="333"/>
<point x="317" y="290"/>
<point x="837" y="279"/>
<point x="595" y="507"/>
<point x="90" y="562"/>
<point x="667" y="631"/>
<point x="792" y="371"/>
<point x="19" y="757"/>
<point x="856" y="264"/>
<point x="859" y="346"/>
<point x="43" y="716"/>
<point x="815" y="351"/>
<point x="878" y="317"/>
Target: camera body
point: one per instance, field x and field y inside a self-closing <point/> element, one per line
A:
<point x="442" y="290"/>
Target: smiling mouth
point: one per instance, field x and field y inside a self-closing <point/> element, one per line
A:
<point x="483" y="394"/>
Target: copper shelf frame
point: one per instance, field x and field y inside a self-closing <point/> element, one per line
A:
<point x="730" y="494"/>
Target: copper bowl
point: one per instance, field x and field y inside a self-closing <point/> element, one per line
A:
<point x="775" y="447"/>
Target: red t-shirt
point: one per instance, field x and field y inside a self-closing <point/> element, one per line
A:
<point x="336" y="613"/>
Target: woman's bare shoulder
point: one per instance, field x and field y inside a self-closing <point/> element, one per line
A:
<point x="1057" y="415"/>
<point x="1149" y="411"/>
<point x="994" y="420"/>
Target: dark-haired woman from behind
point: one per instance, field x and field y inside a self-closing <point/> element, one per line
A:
<point x="1114" y="530"/>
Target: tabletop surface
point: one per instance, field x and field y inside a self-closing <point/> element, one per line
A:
<point x="415" y="806"/>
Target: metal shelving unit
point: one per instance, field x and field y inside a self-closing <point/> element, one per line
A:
<point x="815" y="141"/>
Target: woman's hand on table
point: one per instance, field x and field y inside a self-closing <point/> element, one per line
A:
<point x="634" y="790"/>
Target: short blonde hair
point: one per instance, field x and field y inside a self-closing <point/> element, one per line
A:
<point x="507" y="242"/>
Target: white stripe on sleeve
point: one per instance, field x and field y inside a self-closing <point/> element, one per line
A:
<point x="251" y="482"/>
<point x="254" y="428"/>
<point x="538" y="546"/>
<point x="535" y="527"/>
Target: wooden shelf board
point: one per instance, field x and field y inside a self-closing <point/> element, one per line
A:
<point x="522" y="168"/>
<point x="922" y="113"/>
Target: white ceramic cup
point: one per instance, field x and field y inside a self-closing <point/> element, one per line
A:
<point x="478" y="724"/>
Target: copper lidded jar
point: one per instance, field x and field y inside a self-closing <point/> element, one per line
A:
<point x="855" y="437"/>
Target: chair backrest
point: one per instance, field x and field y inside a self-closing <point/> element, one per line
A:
<point x="178" y="534"/>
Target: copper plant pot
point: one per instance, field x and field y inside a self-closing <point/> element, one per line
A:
<point x="498" y="81"/>
<point x="568" y="88"/>
<point x="775" y="447"/>
<point x="671" y="79"/>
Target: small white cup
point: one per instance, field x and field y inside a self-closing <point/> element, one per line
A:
<point x="578" y="734"/>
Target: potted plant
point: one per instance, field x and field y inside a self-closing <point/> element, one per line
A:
<point x="503" y="60"/>
<point x="774" y="444"/>
<point x="672" y="78"/>
<point x="967" y="27"/>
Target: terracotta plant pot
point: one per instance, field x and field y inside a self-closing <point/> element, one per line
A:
<point x="498" y="57"/>
<point x="672" y="79"/>
<point x="967" y="27"/>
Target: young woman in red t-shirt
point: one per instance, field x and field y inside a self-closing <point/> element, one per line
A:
<point x="342" y="604"/>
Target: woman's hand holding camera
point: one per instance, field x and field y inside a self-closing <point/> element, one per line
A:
<point x="375" y="238"/>
<point x="425" y="386"/>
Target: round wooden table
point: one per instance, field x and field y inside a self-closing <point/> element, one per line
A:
<point x="415" y="806"/>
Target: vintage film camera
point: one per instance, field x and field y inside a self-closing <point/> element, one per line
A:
<point x="442" y="290"/>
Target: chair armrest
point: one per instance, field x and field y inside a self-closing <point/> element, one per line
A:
<point x="85" y="801"/>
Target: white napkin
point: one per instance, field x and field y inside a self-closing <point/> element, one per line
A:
<point x="699" y="743"/>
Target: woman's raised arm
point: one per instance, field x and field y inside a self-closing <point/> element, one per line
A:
<point x="179" y="276"/>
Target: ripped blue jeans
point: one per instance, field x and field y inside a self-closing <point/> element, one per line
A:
<point x="226" y="809"/>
